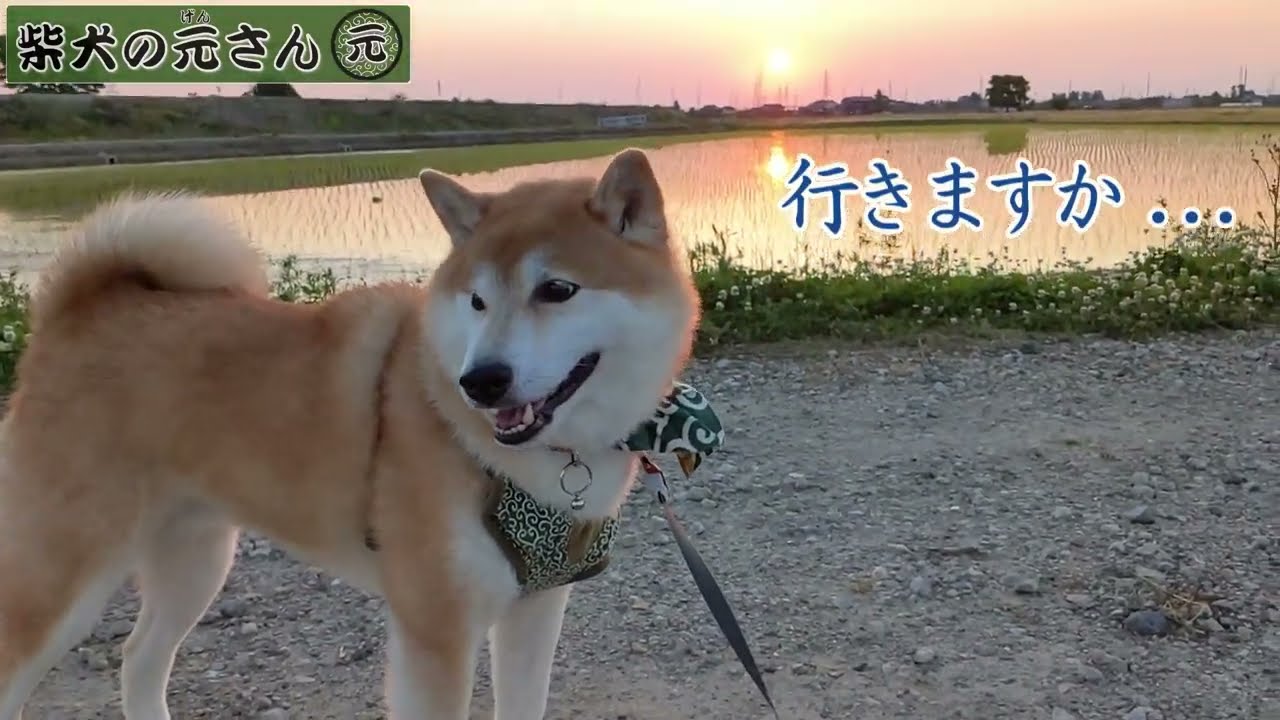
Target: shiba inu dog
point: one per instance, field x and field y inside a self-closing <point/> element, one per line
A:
<point x="165" y="401"/>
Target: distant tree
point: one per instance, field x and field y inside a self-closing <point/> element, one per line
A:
<point x="4" y="50"/>
<point x="272" y="90"/>
<point x="1008" y="91"/>
<point x="675" y="105"/>
<point x="879" y="102"/>
<point x="1060" y="102"/>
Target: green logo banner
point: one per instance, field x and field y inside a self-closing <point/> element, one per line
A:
<point x="212" y="44"/>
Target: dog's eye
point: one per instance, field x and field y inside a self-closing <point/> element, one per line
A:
<point x="476" y="303"/>
<point x="555" y="291"/>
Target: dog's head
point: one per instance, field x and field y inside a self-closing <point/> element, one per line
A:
<point x="563" y="311"/>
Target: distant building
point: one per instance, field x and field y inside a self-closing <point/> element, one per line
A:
<point x="708" y="111"/>
<point x="768" y="110"/>
<point x="858" y="105"/>
<point x="1182" y="102"/>
<point x="821" y="107"/>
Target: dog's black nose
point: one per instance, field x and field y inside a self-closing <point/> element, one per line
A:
<point x="487" y="383"/>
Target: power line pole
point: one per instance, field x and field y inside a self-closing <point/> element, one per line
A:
<point x="826" y="85"/>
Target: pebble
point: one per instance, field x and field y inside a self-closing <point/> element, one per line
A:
<point x="921" y="586"/>
<point x="1141" y="515"/>
<point x="1147" y="623"/>
<point x="1023" y="584"/>
<point x="924" y="655"/>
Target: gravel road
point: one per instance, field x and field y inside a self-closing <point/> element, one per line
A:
<point x="1039" y="531"/>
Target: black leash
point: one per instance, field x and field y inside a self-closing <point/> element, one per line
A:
<point x="707" y="585"/>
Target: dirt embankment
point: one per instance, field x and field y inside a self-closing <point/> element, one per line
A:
<point x="65" y="130"/>
<point x="1075" y="531"/>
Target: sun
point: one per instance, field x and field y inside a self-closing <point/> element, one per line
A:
<point x="778" y="62"/>
<point x="778" y="166"/>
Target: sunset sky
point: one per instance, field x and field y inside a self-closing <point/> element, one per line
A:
<point x="593" y="51"/>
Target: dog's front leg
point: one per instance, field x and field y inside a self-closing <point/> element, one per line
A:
<point x="430" y="669"/>
<point x="522" y="647"/>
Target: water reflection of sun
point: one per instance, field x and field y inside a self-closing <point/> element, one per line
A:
<point x="778" y="165"/>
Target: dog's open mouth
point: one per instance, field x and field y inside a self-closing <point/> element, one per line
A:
<point x="513" y="426"/>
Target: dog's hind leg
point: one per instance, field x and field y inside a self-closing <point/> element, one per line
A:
<point x="44" y="612"/>
<point x="182" y="567"/>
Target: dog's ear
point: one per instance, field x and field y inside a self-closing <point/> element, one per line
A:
<point x="458" y="208"/>
<point x="628" y="199"/>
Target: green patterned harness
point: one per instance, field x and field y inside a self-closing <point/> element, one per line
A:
<point x="539" y="540"/>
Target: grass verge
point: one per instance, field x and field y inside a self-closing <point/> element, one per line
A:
<point x="1199" y="279"/>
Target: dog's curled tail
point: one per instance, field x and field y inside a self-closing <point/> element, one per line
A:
<point x="165" y="241"/>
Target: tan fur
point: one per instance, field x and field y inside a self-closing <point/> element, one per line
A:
<point x="163" y="392"/>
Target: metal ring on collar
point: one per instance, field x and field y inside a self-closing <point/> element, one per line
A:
<point x="564" y="471"/>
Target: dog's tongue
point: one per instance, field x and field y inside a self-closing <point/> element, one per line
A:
<point x="509" y="417"/>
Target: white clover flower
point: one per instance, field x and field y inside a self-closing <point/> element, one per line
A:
<point x="9" y="334"/>
<point x="719" y="305"/>
<point x="734" y="291"/>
